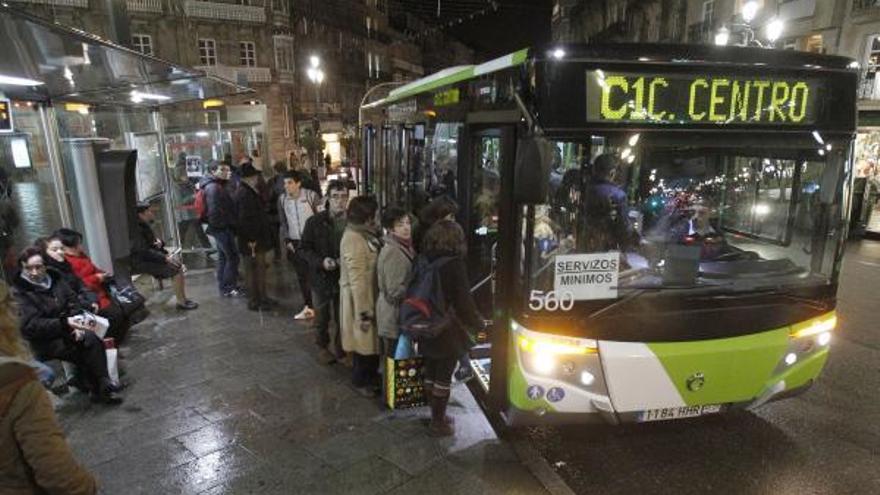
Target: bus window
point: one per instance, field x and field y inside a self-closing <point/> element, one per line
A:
<point x="674" y="214"/>
<point x="442" y="160"/>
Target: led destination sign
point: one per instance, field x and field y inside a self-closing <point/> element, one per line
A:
<point x="615" y="97"/>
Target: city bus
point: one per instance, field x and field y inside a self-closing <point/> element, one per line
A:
<point x="654" y="231"/>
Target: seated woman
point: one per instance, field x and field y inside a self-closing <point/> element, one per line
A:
<point x="92" y="277"/>
<point x="53" y="256"/>
<point x="148" y="255"/>
<point x="49" y="310"/>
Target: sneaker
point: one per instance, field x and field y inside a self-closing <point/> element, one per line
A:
<point x="234" y="293"/>
<point x="305" y="314"/>
<point x="326" y="357"/>
<point x="187" y="305"/>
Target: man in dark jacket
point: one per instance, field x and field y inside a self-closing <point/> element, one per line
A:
<point x="254" y="236"/>
<point x="320" y="248"/>
<point x="148" y="255"/>
<point x="221" y="217"/>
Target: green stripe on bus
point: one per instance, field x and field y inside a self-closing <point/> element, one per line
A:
<point x="734" y="369"/>
<point x="520" y="56"/>
<point x="450" y="79"/>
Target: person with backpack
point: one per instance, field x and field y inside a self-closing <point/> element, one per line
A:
<point x="321" y="238"/>
<point x="216" y="208"/>
<point x="392" y="272"/>
<point x="295" y="207"/>
<point x="454" y="311"/>
<point x="359" y="250"/>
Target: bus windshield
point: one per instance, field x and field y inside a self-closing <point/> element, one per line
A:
<point x="628" y="212"/>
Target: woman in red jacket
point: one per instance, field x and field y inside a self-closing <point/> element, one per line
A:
<point x="94" y="279"/>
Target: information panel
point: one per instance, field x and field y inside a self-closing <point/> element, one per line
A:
<point x="657" y="98"/>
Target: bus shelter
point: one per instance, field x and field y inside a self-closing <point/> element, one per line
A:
<point x="63" y="90"/>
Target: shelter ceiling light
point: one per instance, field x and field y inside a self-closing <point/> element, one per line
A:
<point x="19" y="81"/>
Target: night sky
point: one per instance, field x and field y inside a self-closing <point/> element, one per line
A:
<point x="515" y="24"/>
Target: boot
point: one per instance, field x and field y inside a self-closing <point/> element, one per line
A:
<point x="440" y="426"/>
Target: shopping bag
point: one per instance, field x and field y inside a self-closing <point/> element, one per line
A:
<point x="132" y="302"/>
<point x="112" y="361"/>
<point x="405" y="382"/>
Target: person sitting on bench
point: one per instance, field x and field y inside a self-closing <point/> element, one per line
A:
<point x="148" y="255"/>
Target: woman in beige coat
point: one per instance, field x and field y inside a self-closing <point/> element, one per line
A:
<point x="34" y="456"/>
<point x="392" y="270"/>
<point x="358" y="252"/>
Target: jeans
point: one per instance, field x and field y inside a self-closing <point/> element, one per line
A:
<point x="327" y="308"/>
<point x="255" y="277"/>
<point x="227" y="260"/>
<point x="301" y="267"/>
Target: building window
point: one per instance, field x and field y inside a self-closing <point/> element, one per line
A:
<point x="708" y="11"/>
<point x="247" y="53"/>
<point x="370" y="26"/>
<point x="279" y="5"/>
<point x="207" y="51"/>
<point x="142" y="43"/>
<point x="284" y="53"/>
<point x="243" y="2"/>
<point x="815" y="44"/>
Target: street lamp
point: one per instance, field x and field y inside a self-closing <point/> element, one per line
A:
<point x="316" y="75"/>
<point x="722" y="36"/>
<point x="774" y="30"/>
<point x="749" y="11"/>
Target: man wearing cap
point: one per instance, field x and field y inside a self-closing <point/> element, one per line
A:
<point x="148" y="255"/>
<point x="254" y="236"/>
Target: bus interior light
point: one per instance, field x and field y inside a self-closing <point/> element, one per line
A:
<point x="818" y="327"/>
<point x="558" y="54"/>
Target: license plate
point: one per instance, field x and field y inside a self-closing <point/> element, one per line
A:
<point x="667" y="413"/>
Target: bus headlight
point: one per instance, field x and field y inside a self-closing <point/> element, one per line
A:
<point x="544" y="363"/>
<point x="824" y="338"/>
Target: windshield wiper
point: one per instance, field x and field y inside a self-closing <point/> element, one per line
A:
<point x="643" y="289"/>
<point x="807" y="301"/>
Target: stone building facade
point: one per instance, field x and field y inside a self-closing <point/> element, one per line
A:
<point x="265" y="45"/>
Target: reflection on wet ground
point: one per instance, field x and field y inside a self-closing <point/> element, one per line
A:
<point x="224" y="400"/>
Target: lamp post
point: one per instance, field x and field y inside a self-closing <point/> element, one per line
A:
<point x="316" y="75"/>
<point x="741" y="27"/>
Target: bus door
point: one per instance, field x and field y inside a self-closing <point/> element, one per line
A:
<point x="486" y="214"/>
<point x="413" y="195"/>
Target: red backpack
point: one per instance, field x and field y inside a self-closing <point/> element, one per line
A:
<point x="200" y="205"/>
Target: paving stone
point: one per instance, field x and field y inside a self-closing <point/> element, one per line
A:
<point x="137" y="465"/>
<point x="370" y="476"/>
<point x="207" y="471"/>
<point x="221" y="434"/>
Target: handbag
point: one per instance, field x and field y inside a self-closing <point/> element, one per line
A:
<point x="132" y="302"/>
<point x="404" y="378"/>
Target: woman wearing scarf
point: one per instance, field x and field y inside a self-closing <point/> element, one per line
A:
<point x="392" y="269"/>
<point x="48" y="309"/>
<point x="359" y="250"/>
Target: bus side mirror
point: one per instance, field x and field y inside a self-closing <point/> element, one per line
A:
<point x="534" y="157"/>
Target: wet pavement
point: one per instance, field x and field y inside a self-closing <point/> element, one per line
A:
<point x="826" y="441"/>
<point x="225" y="400"/>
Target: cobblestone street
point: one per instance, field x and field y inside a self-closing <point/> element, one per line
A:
<point x="224" y="400"/>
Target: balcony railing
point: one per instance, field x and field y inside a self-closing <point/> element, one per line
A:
<point x="147" y="6"/>
<point x="58" y="3"/>
<point x="224" y="11"/>
<point x="239" y="75"/>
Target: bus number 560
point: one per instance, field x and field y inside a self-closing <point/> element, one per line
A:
<point x="539" y="301"/>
